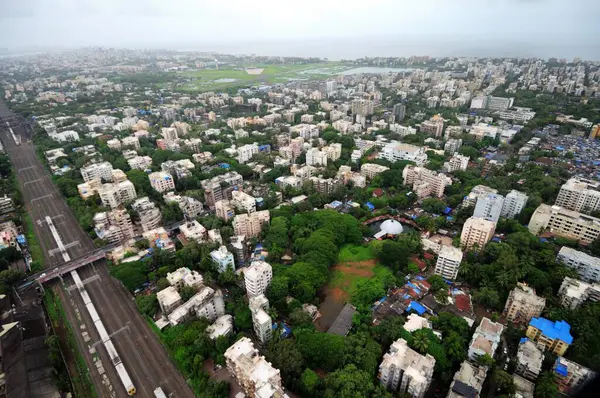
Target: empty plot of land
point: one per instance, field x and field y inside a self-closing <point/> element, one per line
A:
<point x="254" y="71"/>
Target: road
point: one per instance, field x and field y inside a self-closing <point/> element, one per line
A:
<point x="142" y="354"/>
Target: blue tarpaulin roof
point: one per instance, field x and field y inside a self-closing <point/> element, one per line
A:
<point x="224" y="165"/>
<point x="370" y="205"/>
<point x="553" y="330"/>
<point x="447" y="210"/>
<point x="523" y="339"/>
<point x="416" y="307"/>
<point x="561" y="368"/>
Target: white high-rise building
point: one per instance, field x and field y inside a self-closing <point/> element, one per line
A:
<point x="315" y="157"/>
<point x="101" y="170"/>
<point x="579" y="194"/>
<point x="425" y="182"/>
<point x="261" y="321"/>
<point x="514" y="203"/>
<point x="245" y="152"/>
<point x="455" y="163"/>
<point x="257" y="278"/>
<point x="115" y="195"/>
<point x="396" y="151"/>
<point x="448" y="262"/>
<point x="243" y="202"/>
<point x="161" y="181"/>
<point x="405" y="370"/>
<point x="588" y="267"/>
<point x="250" y="225"/>
<point x="489" y="207"/>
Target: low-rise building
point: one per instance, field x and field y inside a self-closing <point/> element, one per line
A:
<point x="529" y="359"/>
<point x="523" y="304"/>
<point x="573" y="292"/>
<point x="370" y="170"/>
<point x="193" y="231"/>
<point x="102" y="170"/>
<point x="405" y="370"/>
<point x="395" y="151"/>
<point x="184" y="277"/>
<point x="168" y="299"/>
<point x="222" y="326"/>
<point x="555" y="336"/>
<point x="485" y="340"/>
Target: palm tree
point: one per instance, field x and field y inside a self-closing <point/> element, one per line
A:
<point x="421" y="342"/>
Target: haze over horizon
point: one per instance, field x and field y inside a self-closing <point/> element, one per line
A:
<point x="334" y="29"/>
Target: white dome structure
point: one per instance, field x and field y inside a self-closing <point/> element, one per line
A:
<point x="391" y="227"/>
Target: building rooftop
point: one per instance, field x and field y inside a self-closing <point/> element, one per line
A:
<point x="554" y="330"/>
<point x="343" y="322"/>
<point x="221" y="327"/>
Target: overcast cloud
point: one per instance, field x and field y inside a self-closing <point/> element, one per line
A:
<point x="334" y="28"/>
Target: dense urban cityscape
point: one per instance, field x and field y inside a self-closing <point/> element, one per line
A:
<point x="182" y="223"/>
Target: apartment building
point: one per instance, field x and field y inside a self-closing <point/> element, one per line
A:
<point x="181" y="168"/>
<point x="485" y="340"/>
<point x="224" y="210"/>
<point x="523" y="304"/>
<point x="193" y="231"/>
<point x="573" y="292"/>
<point x="223" y="259"/>
<point x="406" y="371"/>
<point x="482" y="130"/>
<point x="477" y="232"/>
<point x="456" y="163"/>
<point x="261" y="321"/>
<point x="115" y="195"/>
<point x="240" y="249"/>
<point x="529" y="359"/>
<point x="221" y="187"/>
<point x="425" y="182"/>
<point x="185" y="277"/>
<point x="370" y="170"/>
<point x="326" y="185"/>
<point x="579" y="194"/>
<point x="434" y="126"/>
<point x="554" y="336"/>
<point x="256" y="376"/>
<point x="246" y="152"/>
<point x="467" y="381"/>
<point x="150" y="216"/>
<point x="243" y="202"/>
<point x="563" y="222"/>
<point x="395" y="151"/>
<point x="514" y="202"/>
<point x="140" y="162"/>
<point x="257" y="277"/>
<point x="588" y="267"/>
<point x="130" y="142"/>
<point x="190" y="207"/>
<point x="113" y="226"/>
<point x="478" y="191"/>
<point x="315" y="157"/>
<point x="489" y="207"/>
<point x="102" y="170"/>
<point x="362" y="107"/>
<point x="333" y="151"/>
<point x="571" y="376"/>
<point x="452" y="145"/>
<point x="250" y="225"/>
<point x="161" y="181"/>
<point x="169" y="134"/>
<point x="448" y="262"/>
<point x="206" y="303"/>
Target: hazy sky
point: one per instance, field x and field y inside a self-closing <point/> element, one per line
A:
<point x="330" y="27"/>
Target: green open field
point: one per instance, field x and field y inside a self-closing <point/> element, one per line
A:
<point x="228" y="76"/>
<point x="355" y="253"/>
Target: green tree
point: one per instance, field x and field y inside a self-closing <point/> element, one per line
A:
<point x="420" y="341"/>
<point x="309" y="382"/>
<point x="187" y="292"/>
<point x="488" y="297"/>
<point x="546" y="386"/>
<point x="348" y="382"/>
<point x="147" y="305"/>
